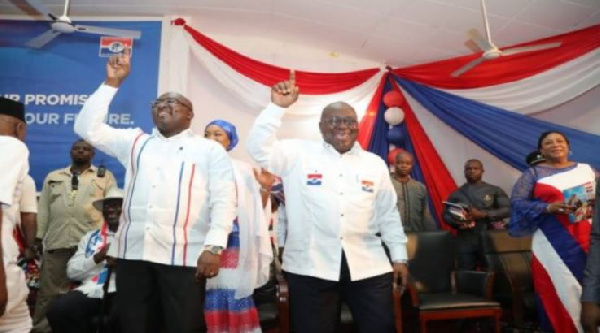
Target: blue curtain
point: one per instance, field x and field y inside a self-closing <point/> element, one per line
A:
<point x="507" y="135"/>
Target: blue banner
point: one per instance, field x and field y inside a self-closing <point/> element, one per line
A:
<point x="55" y="80"/>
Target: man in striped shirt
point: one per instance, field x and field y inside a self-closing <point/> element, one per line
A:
<point x="178" y="209"/>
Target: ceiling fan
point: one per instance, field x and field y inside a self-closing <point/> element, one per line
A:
<point x="490" y="50"/>
<point x="63" y="25"/>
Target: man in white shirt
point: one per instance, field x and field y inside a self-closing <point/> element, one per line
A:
<point x="27" y="225"/>
<point x="338" y="199"/>
<point x="14" y="166"/>
<point x="92" y="266"/>
<point x="178" y="209"/>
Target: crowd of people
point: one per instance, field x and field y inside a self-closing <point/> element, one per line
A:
<point x="184" y="245"/>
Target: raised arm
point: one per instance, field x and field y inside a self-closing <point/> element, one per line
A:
<point x="90" y="123"/>
<point x="263" y="145"/>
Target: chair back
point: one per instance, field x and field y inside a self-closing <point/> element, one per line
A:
<point x="507" y="254"/>
<point x="431" y="260"/>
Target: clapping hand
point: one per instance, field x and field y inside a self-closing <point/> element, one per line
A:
<point x="101" y="255"/>
<point x="285" y="93"/>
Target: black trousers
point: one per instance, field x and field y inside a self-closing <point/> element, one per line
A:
<point x="73" y="313"/>
<point x="469" y="252"/>
<point x="315" y="303"/>
<point x="159" y="298"/>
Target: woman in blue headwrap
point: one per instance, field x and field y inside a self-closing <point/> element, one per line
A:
<point x="245" y="263"/>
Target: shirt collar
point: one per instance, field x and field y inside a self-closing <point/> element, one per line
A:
<point x="393" y="176"/>
<point x="184" y="134"/>
<point x="67" y="170"/>
<point x="355" y="150"/>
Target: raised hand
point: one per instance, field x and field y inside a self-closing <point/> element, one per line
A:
<point x="264" y="178"/>
<point x="285" y="93"/>
<point x="117" y="68"/>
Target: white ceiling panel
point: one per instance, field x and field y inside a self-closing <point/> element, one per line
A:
<point x="518" y="32"/>
<point x="398" y="32"/>
<point x="555" y="14"/>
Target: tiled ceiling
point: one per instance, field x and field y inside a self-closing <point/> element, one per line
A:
<point x="396" y="32"/>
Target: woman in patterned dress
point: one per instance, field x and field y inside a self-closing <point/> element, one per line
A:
<point x="561" y="234"/>
<point x="245" y="262"/>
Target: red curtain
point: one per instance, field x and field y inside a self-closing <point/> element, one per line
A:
<point x="367" y="123"/>
<point x="505" y="69"/>
<point x="309" y="83"/>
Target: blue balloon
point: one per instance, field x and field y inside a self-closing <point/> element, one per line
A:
<point x="395" y="136"/>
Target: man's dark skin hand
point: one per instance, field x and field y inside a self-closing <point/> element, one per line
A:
<point x="400" y="276"/>
<point x="100" y="256"/>
<point x="208" y="265"/>
<point x="477" y="214"/>
<point x="590" y="317"/>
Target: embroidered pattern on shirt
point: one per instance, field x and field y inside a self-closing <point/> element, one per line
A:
<point x="314" y="179"/>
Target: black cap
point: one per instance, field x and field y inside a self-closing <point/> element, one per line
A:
<point x="12" y="108"/>
<point x="535" y="157"/>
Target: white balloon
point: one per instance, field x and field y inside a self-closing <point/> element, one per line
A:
<point x="394" y="116"/>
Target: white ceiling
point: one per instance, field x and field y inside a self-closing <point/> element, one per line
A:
<point x="396" y="32"/>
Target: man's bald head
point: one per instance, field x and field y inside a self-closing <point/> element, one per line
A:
<point x="336" y="106"/>
<point x="339" y="126"/>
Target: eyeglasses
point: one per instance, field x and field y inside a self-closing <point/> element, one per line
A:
<point x="75" y="182"/>
<point x="338" y="121"/>
<point x="169" y="101"/>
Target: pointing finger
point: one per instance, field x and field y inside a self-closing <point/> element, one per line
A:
<point x="292" y="79"/>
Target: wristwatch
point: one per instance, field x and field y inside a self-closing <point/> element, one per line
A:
<point x="214" y="249"/>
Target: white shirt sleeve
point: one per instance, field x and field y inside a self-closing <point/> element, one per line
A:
<point x="28" y="196"/>
<point x="14" y="165"/>
<point x="90" y="125"/>
<point x="221" y="186"/>
<point x="276" y="156"/>
<point x="388" y="218"/>
<point x="79" y="267"/>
